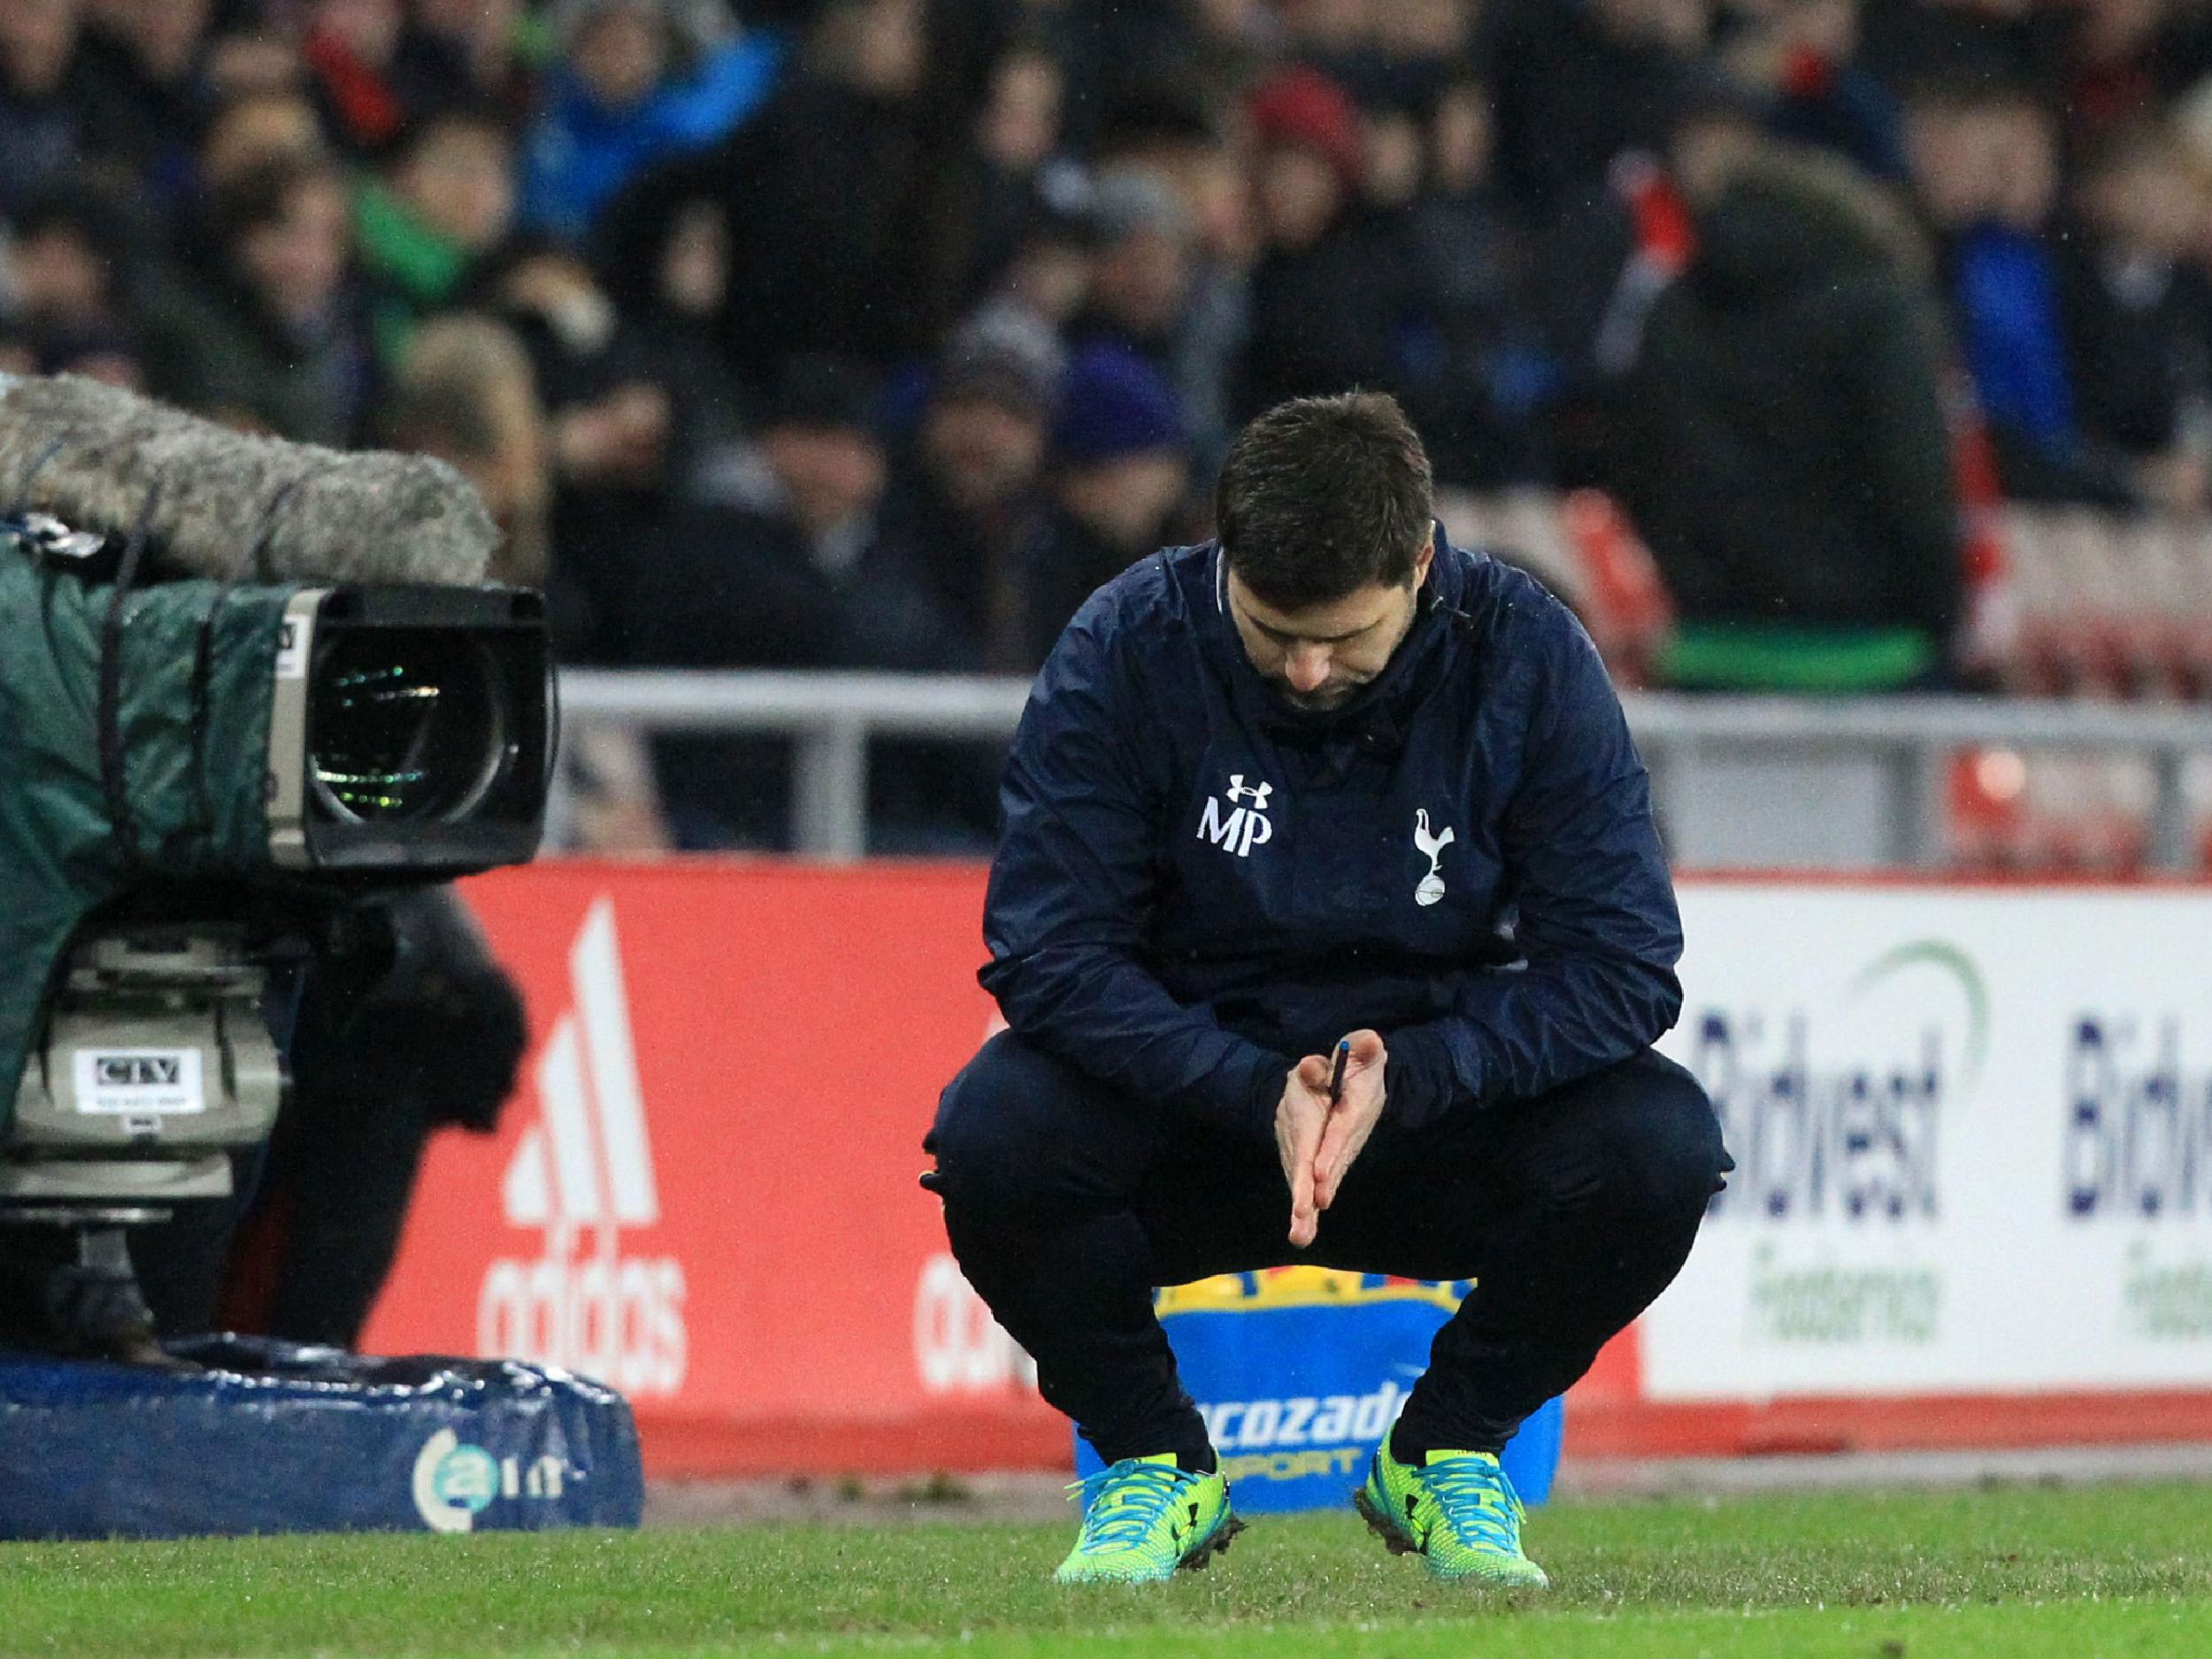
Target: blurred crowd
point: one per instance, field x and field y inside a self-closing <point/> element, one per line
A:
<point x="876" y="333"/>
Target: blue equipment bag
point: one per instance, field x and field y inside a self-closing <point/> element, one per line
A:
<point x="1300" y="1372"/>
<point x="274" y="1437"/>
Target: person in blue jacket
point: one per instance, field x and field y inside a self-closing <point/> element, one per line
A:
<point x="620" y="103"/>
<point x="1328" y="780"/>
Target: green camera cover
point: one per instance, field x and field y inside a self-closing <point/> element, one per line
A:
<point x="193" y="677"/>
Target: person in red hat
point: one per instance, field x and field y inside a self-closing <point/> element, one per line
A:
<point x="1332" y="286"/>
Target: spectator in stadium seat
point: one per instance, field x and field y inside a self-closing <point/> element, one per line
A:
<point x="149" y="89"/>
<point x="1142" y="265"/>
<point x="1017" y="142"/>
<point x="466" y="393"/>
<point x="1049" y="264"/>
<point x="351" y="50"/>
<point x="2138" y="313"/>
<point x="754" y="580"/>
<point x="466" y="53"/>
<point x="257" y="127"/>
<point x="638" y="404"/>
<point x="834" y="197"/>
<point x="444" y="199"/>
<point x="1121" y="479"/>
<point x="1783" y="445"/>
<point x="1580" y="81"/>
<point x="1334" y="286"/>
<point x="661" y="255"/>
<point x="267" y="331"/>
<point x="817" y="465"/>
<point x="69" y="264"/>
<point x="1173" y="132"/>
<point x="44" y="97"/>
<point x="770" y="590"/>
<point x="1597" y="270"/>
<point x="947" y="587"/>
<point x="1468" y="368"/>
<point x="2004" y="280"/>
<point x="626" y="521"/>
<point x="1802" y="57"/>
<point x="1985" y="168"/>
<point x="628" y="93"/>
<point x="944" y="579"/>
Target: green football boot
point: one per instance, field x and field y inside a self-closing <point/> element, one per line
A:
<point x="1144" y="1517"/>
<point x="1458" y="1513"/>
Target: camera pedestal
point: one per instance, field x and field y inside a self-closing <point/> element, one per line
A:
<point x="91" y="1296"/>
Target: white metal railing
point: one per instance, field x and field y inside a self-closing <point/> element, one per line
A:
<point x="830" y="719"/>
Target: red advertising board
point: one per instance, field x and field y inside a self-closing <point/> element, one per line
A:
<point x="704" y="1193"/>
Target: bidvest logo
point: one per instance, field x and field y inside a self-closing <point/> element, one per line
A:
<point x="584" y="1172"/>
<point x="2138" y="1121"/>
<point x="1843" y="1119"/>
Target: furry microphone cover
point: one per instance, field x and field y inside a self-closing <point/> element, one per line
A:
<point x="91" y="455"/>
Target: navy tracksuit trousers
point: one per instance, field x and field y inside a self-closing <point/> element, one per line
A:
<point x="1066" y="1204"/>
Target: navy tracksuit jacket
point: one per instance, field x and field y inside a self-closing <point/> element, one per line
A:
<point x="1196" y="884"/>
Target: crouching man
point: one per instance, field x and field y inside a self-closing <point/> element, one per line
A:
<point x="1327" y="783"/>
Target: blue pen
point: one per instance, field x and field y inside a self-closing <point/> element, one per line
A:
<point x="1336" y="1074"/>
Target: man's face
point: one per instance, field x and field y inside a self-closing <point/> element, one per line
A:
<point x="829" y="472"/>
<point x="37" y="38"/>
<point x="621" y="56"/>
<point x="1300" y="196"/>
<point x="60" y="277"/>
<point x="256" y="130"/>
<point x="982" y="452"/>
<point x="1316" y="656"/>
<point x="299" y="260"/>
<point x="1141" y="282"/>
<point x="1709" y="152"/>
<point x="461" y="181"/>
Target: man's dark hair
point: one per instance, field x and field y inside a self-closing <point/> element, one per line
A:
<point x="1322" y="496"/>
<point x="475" y="116"/>
<point x="263" y="194"/>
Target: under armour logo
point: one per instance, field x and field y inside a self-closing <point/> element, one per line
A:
<point x="1256" y="793"/>
<point x="1432" y="847"/>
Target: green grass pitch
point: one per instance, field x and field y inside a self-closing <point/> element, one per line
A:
<point x="2009" y="1573"/>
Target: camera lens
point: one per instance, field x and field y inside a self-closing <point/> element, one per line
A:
<point x="404" y="725"/>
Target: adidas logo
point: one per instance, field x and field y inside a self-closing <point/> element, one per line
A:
<point x="583" y="1173"/>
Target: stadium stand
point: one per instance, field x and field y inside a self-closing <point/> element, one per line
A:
<point x="852" y="322"/>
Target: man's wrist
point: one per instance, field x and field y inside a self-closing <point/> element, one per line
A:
<point x="1423" y="1085"/>
<point x="1268" y="1083"/>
